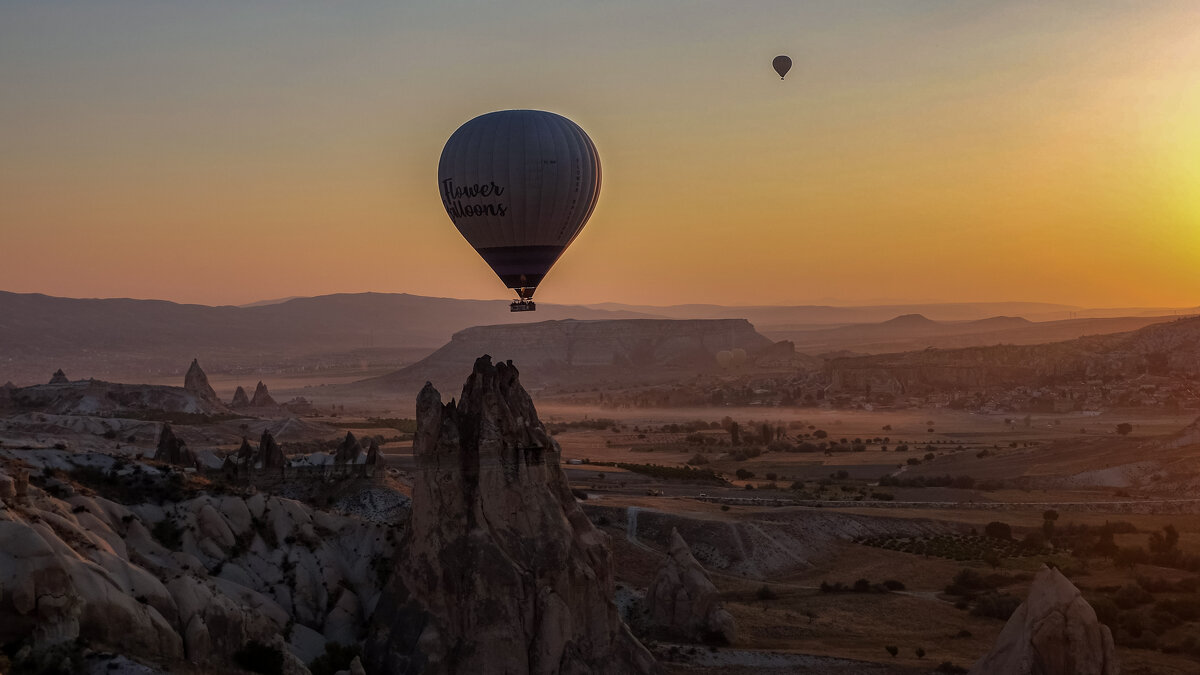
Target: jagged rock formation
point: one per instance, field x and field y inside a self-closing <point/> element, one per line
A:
<point x="59" y="377"/>
<point x="172" y="450"/>
<point x="240" y="400"/>
<point x="196" y="382"/>
<point x="502" y="572"/>
<point x="683" y="602"/>
<point x="349" y="450"/>
<point x="1054" y="632"/>
<point x="270" y="454"/>
<point x="9" y="385"/>
<point x="262" y="398"/>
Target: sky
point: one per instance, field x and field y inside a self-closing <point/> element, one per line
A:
<point x="923" y="150"/>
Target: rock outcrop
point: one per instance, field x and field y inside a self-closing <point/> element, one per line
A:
<point x="683" y="602"/>
<point x="262" y="398"/>
<point x="349" y="450"/>
<point x="1054" y="632"/>
<point x="59" y="377"/>
<point x="502" y="572"/>
<point x="196" y="382"/>
<point x="194" y="580"/>
<point x="172" y="450"/>
<point x="270" y="453"/>
<point x="240" y="399"/>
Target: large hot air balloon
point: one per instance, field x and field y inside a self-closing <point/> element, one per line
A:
<point x="519" y="185"/>
<point x="782" y="64"/>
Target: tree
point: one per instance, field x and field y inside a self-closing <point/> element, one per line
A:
<point x="998" y="530"/>
<point x="920" y="652"/>
<point x="1165" y="542"/>
<point x="1124" y="428"/>
<point x="734" y="434"/>
<point x="893" y="650"/>
<point x="820" y="433"/>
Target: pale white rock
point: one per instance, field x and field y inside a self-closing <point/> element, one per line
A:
<point x="683" y="601"/>
<point x="1054" y="632"/>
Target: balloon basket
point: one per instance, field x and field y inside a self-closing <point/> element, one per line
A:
<point x="522" y="306"/>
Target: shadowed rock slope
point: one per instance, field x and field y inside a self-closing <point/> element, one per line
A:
<point x="501" y="572"/>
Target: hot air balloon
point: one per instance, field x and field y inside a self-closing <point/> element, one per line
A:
<point x="782" y="64"/>
<point x="519" y="185"/>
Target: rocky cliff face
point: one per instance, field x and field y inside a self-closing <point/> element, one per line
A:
<point x="573" y="351"/>
<point x="502" y="571"/>
<point x="196" y="382"/>
<point x="683" y="602"/>
<point x="1055" y="632"/>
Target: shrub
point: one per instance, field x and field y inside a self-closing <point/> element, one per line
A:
<point x="744" y="474"/>
<point x="169" y="534"/>
<point x="765" y="593"/>
<point x="996" y="605"/>
<point x="336" y="657"/>
<point x="998" y="530"/>
<point x="259" y="658"/>
<point x="892" y="649"/>
<point x="893" y="585"/>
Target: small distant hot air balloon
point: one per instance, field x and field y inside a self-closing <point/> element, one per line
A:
<point x="782" y="64"/>
<point x="519" y="185"/>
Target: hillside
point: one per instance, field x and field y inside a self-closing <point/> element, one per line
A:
<point x="628" y="351"/>
<point x="135" y="340"/>
<point x="1169" y="350"/>
<point x="914" y="331"/>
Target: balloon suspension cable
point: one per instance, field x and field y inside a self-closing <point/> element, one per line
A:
<point x="524" y="301"/>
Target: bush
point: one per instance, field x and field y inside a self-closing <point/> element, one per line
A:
<point x="259" y="658"/>
<point x="892" y="649"/>
<point x="998" y="530"/>
<point x="744" y="474"/>
<point x="1130" y="596"/>
<point x="765" y="593"/>
<point x="169" y="534"/>
<point x="996" y="605"/>
<point x="336" y="657"/>
<point x="893" y="585"/>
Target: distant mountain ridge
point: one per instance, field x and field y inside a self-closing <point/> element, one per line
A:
<point x="1167" y="349"/>
<point x="126" y="340"/>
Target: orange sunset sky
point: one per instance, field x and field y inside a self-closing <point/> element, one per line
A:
<point x="227" y="152"/>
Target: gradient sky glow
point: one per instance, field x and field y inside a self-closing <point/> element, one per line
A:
<point x="940" y="150"/>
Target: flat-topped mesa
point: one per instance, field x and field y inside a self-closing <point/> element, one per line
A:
<point x="503" y="572"/>
<point x="196" y="382"/>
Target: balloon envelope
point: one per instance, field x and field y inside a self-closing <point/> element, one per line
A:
<point x="782" y="64"/>
<point x="519" y="185"/>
